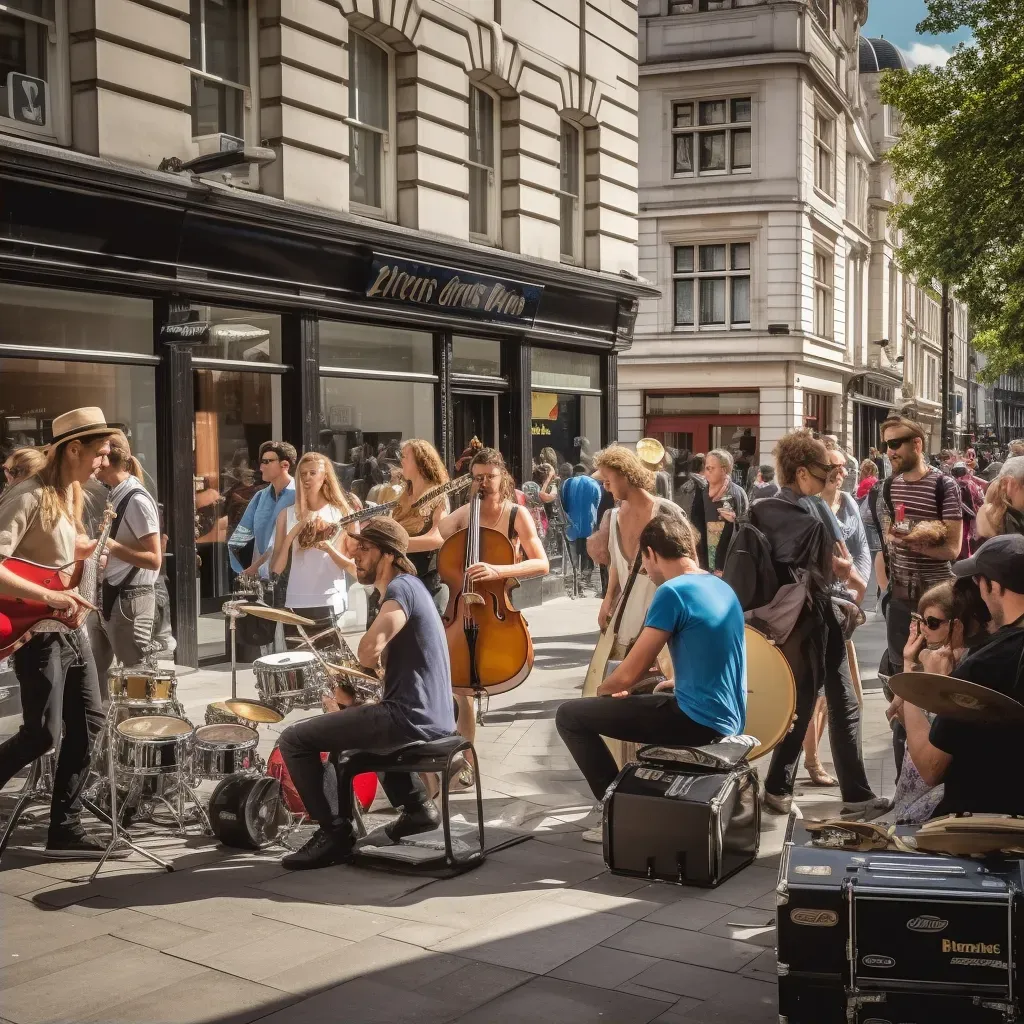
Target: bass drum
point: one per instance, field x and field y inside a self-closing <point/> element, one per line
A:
<point x="246" y="811"/>
<point x="771" y="694"/>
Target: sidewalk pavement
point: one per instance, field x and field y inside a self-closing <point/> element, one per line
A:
<point x="541" y="931"/>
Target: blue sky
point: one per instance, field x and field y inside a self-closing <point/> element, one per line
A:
<point x="897" y="20"/>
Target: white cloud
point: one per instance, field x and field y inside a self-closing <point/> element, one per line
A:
<point x="926" y="53"/>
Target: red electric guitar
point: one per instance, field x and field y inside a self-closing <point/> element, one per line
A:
<point x="20" y="619"/>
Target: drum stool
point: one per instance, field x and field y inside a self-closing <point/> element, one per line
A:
<point x="688" y="815"/>
<point x="422" y="756"/>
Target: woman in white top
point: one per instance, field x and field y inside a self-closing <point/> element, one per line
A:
<point x="320" y="555"/>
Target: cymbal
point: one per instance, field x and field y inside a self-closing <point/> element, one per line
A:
<point x="956" y="698"/>
<point x="262" y="611"/>
<point x="348" y="670"/>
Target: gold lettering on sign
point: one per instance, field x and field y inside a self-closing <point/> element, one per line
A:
<point x="394" y="283"/>
<point x="382" y="275"/>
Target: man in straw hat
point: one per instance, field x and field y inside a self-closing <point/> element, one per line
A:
<point x="40" y="521"/>
<point x="408" y="638"/>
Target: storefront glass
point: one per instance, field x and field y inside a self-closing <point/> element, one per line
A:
<point x="479" y="357"/>
<point x="239" y="334"/>
<point x="362" y="347"/>
<point x="555" y="370"/>
<point x="566" y="424"/>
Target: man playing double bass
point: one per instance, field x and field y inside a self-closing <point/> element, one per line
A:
<point x="498" y="512"/>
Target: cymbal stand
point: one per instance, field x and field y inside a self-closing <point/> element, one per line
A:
<point x="118" y="835"/>
<point x="38" y="788"/>
<point x="232" y="610"/>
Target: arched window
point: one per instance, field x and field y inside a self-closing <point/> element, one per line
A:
<point x="570" y="192"/>
<point x="484" y="166"/>
<point x="371" y="115"/>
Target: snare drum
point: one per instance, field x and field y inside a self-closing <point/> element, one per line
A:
<point x="290" y="679"/>
<point x="222" y="750"/>
<point x="153" y="745"/>
<point x="142" y="684"/>
<point x="242" y="712"/>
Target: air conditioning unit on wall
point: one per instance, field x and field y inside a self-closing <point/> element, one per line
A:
<point x="245" y="174"/>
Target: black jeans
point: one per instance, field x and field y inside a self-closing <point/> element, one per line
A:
<point x="645" y="718"/>
<point x="366" y="727"/>
<point x="815" y="669"/>
<point x="897" y="632"/>
<point x="583" y="562"/>
<point x="56" y="685"/>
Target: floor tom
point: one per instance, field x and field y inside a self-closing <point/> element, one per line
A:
<point x="224" y="749"/>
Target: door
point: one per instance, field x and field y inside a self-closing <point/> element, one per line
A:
<point x="475" y="414"/>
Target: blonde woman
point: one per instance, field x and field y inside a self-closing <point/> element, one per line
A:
<point x="22" y="463"/>
<point x="316" y="583"/>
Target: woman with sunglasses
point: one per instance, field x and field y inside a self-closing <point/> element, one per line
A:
<point x="21" y="464"/>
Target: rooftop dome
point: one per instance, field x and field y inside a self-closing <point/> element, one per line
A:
<point x="880" y="55"/>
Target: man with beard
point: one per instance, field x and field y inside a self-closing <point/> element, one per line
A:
<point x="916" y="493"/>
<point x="408" y="639"/>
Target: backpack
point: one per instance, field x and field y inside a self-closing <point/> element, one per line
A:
<point x="749" y="569"/>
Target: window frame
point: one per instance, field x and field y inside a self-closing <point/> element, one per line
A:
<point x="493" y="233"/>
<point x="824" y="147"/>
<point x="250" y="91"/>
<point x="824" y="295"/>
<point x="58" y="83"/>
<point x="728" y="275"/>
<point x="576" y="256"/>
<point x="694" y="6"/>
<point x="389" y="173"/>
<point x="729" y="128"/>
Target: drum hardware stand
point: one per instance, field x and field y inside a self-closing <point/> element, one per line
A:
<point x="38" y="788"/>
<point x="482" y="702"/>
<point x="231" y="609"/>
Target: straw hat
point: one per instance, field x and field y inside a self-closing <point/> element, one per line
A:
<point x="651" y="452"/>
<point x="88" y="421"/>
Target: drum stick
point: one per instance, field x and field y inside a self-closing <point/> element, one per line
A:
<point x="851" y="654"/>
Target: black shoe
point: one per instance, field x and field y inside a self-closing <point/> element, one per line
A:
<point x="324" y="848"/>
<point x="77" y="844"/>
<point x="410" y="823"/>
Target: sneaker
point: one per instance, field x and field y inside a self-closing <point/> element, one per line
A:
<point x="593" y="835"/>
<point x="77" y="844"/>
<point x="410" y="823"/>
<point x="324" y="848"/>
<point x="867" y="810"/>
<point x="777" y="804"/>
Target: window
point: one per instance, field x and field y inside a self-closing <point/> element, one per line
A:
<point x="822" y="13"/>
<point x="704" y="139"/>
<point x="823" y="285"/>
<point x="28" y="65"/>
<point x="825" y="154"/>
<point x="483" y="161"/>
<point x="894" y="121"/>
<point x="370" y="113"/>
<point x="817" y="411"/>
<point x="570" y="163"/>
<point x="857" y="184"/>
<point x="711" y="285"/>
<point x="220" y="63"/>
<point x="689" y="6"/>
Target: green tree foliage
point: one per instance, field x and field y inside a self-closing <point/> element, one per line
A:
<point x="960" y="161"/>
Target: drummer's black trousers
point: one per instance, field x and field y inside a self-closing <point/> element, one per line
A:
<point x="365" y="727"/>
<point x="56" y="687"/>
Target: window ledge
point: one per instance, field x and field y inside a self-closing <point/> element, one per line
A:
<point x="822" y="194"/>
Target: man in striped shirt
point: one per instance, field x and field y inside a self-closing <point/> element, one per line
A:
<point x="916" y="492"/>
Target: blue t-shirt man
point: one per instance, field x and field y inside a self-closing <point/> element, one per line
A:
<point x="708" y="648"/>
<point x="581" y="494"/>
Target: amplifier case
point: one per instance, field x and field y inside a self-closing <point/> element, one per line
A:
<point x="895" y="936"/>
<point x="681" y="823"/>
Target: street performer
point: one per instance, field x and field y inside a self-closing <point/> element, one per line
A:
<point x="699" y="618"/>
<point x="979" y="763"/>
<point x="40" y="521"/>
<point x="408" y="639"/>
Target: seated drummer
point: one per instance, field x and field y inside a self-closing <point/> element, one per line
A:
<point x="408" y="639"/>
<point x="979" y="763"/>
<point x="699" y="617"/>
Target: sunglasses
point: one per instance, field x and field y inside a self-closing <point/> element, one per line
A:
<point x="931" y="621"/>
<point x="269" y="462"/>
<point x="898" y="442"/>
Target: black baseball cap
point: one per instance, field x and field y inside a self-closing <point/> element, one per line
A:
<point x="1000" y="559"/>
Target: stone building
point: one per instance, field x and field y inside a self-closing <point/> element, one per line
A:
<point x="338" y="222"/>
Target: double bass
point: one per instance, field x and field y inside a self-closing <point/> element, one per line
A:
<point x="489" y="643"/>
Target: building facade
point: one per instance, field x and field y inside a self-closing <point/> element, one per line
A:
<point x="764" y="202"/>
<point x="338" y="222"/>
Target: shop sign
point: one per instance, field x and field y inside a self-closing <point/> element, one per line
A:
<point x="28" y="99"/>
<point x="449" y="290"/>
<point x="185" y="328"/>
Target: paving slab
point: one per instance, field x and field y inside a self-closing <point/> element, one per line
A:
<point x="603" y="967"/>
<point x="685" y="946"/>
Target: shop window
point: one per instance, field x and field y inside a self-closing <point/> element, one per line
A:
<point x="566" y="428"/>
<point x="824" y="284"/>
<point x="371" y="114"/>
<point x="484" y="157"/>
<point x="711" y="137"/>
<point x="49" y="318"/>
<point x="363" y="347"/>
<point x="33" y="62"/>
<point x="239" y="334"/>
<point x="558" y="370"/>
<point x="476" y="357"/>
<point x="570" y="190"/>
<point x="221" y="33"/>
<point x="711" y="285"/>
<point x="704" y="403"/>
<point x="825" y="153"/>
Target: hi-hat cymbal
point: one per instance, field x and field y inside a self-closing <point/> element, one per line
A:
<point x="956" y="698"/>
<point x="262" y="611"/>
<point x="349" y="670"/>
